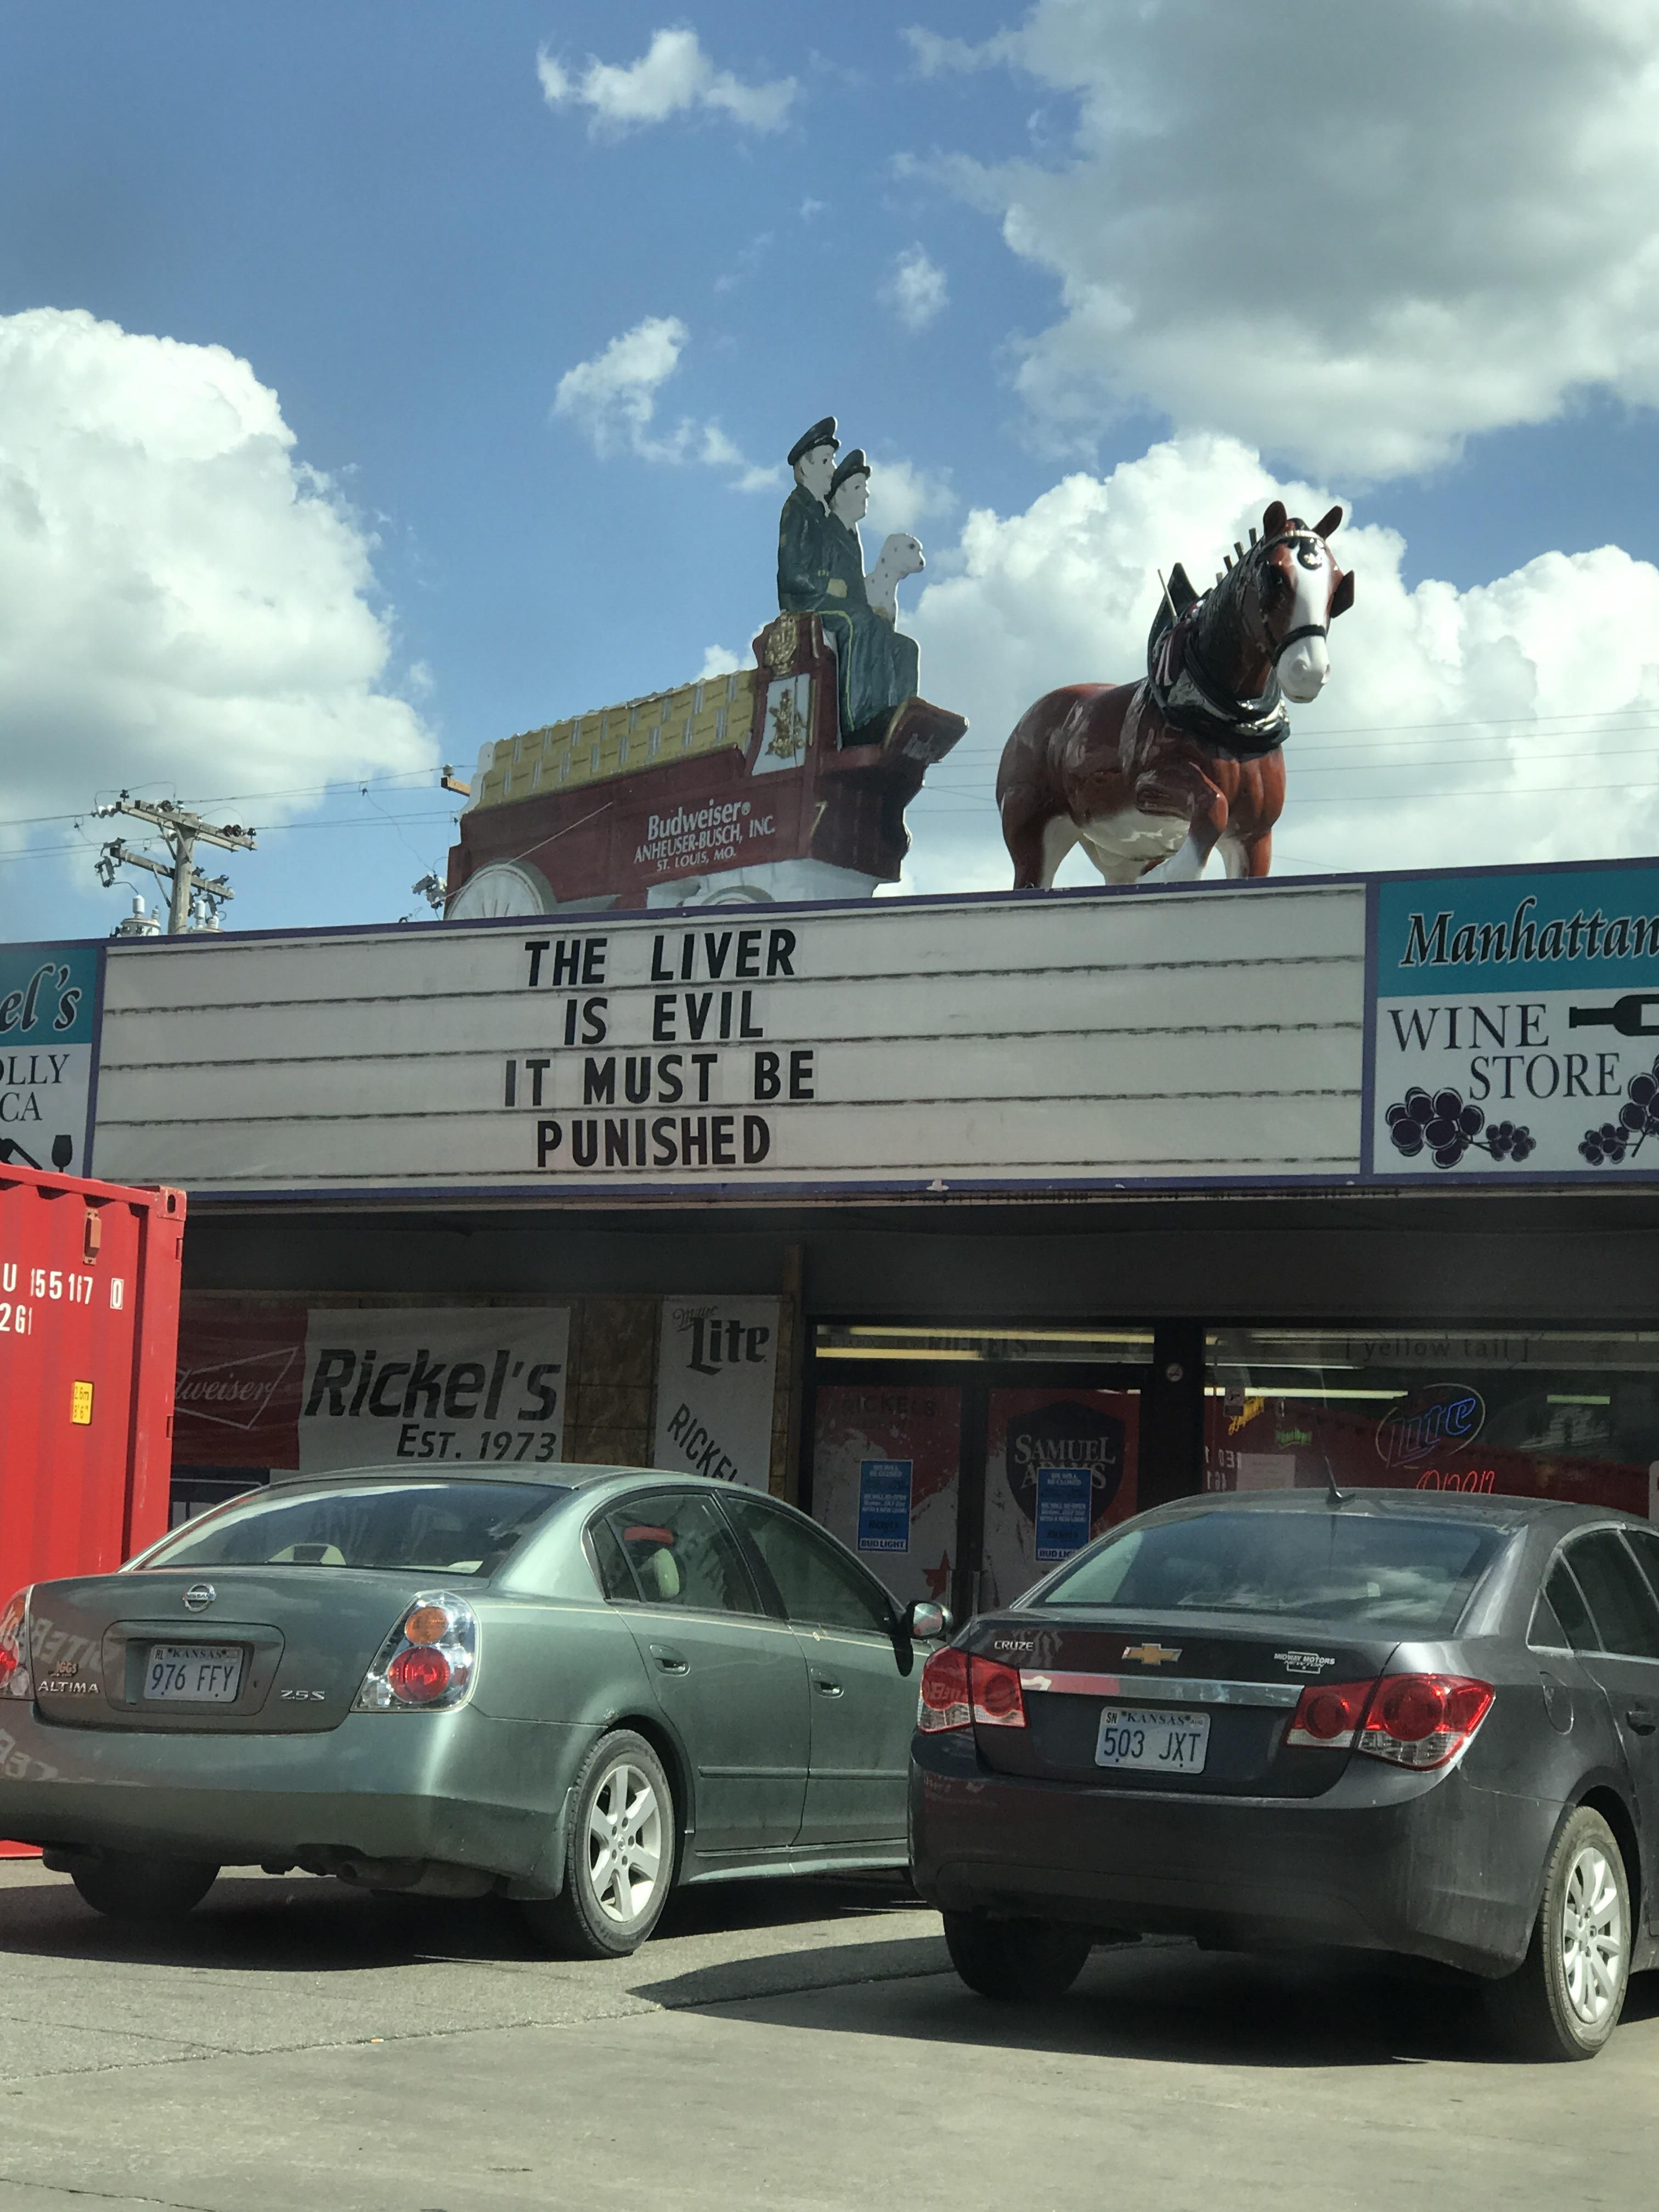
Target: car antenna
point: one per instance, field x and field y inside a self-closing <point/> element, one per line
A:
<point x="1334" y="1496"/>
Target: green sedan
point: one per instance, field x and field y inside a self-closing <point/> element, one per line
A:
<point x="574" y="1686"/>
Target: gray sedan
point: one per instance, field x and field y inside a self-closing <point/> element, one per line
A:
<point x="575" y="1687"/>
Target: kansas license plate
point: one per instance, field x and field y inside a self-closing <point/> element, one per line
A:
<point x="193" y="1673"/>
<point x="1153" y="1741"/>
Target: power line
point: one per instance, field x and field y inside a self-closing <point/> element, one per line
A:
<point x="239" y="798"/>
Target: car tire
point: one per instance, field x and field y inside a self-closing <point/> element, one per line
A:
<point x="619" y="1854"/>
<point x="126" y="1885"/>
<point x="1564" y="2000"/>
<point x="1016" y="1961"/>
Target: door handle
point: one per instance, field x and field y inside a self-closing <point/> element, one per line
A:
<point x="826" y="1686"/>
<point x="1642" y="1719"/>
<point x="670" y="1661"/>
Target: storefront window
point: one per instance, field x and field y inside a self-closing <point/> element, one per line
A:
<point x="1548" y="1413"/>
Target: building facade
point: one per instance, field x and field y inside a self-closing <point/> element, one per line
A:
<point x="973" y="1224"/>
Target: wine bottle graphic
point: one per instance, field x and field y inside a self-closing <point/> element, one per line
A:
<point x="1635" y="1015"/>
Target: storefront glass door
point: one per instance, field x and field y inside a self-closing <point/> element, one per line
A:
<point x="1060" y="1467"/>
<point x="886" y="1479"/>
<point x="963" y="1468"/>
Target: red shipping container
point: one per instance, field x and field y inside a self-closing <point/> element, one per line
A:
<point x="89" y="1336"/>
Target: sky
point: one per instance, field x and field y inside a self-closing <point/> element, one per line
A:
<point x="376" y="382"/>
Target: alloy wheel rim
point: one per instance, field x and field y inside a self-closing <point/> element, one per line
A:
<point x="1592" y="1937"/>
<point x="624" y="1844"/>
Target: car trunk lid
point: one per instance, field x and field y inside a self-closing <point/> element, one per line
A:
<point x="1220" y="1700"/>
<point x="235" y="1650"/>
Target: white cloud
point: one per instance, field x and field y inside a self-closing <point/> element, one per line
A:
<point x="916" y="290"/>
<point x="613" y="397"/>
<point x="672" y="76"/>
<point x="936" y="54"/>
<point x="1351" y="243"/>
<point x="1505" y="722"/>
<point x="720" y="661"/>
<point x="613" y="400"/>
<point x="905" y="497"/>
<point x="183" y="604"/>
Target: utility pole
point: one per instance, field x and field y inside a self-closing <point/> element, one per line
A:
<point x="193" y="899"/>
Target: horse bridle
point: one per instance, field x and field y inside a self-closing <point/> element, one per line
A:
<point x="1301" y="539"/>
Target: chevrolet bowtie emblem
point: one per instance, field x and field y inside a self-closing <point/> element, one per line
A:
<point x="1150" y="1654"/>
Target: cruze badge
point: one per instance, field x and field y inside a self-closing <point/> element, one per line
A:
<point x="1150" y="1655"/>
<point x="199" y="1596"/>
<point x="1304" y="1662"/>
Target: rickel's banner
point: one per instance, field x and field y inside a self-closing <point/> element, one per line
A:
<point x="1515" y="1024"/>
<point x="415" y="1386"/>
<point x="717" y="1364"/>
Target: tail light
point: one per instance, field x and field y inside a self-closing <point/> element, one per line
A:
<point x="15" y="1679"/>
<point x="995" y="1694"/>
<point x="957" y="1691"/>
<point x="1423" y="1720"/>
<point x="943" y="1700"/>
<point x="428" y="1662"/>
<point x="1327" y="1715"/>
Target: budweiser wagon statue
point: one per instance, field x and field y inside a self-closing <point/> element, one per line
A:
<point x="786" y="780"/>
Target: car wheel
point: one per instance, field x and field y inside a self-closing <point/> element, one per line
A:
<point x="619" y="1855"/>
<point x="1565" y="1999"/>
<point x="126" y="1886"/>
<point x="1021" y="1961"/>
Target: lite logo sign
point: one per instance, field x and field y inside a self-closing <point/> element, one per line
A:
<point x="716" y="1377"/>
<point x="1437" y="1415"/>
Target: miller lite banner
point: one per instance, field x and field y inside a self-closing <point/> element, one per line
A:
<point x="717" y="1364"/>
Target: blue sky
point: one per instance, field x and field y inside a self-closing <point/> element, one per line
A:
<point x="1080" y="330"/>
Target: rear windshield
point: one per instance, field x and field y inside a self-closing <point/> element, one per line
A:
<point x="463" y="1527"/>
<point x="1402" y="1576"/>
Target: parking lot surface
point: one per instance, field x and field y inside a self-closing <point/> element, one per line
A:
<point x="803" y="2046"/>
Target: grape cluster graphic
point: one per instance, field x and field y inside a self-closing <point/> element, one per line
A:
<point x="1639" y="1119"/>
<point x="1443" y="1125"/>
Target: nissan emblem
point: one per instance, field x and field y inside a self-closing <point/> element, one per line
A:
<point x="199" y="1596"/>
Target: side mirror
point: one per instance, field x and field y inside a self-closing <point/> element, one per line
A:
<point x="927" y="1622"/>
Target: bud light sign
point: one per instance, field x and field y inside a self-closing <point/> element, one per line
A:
<point x="1427" y="1420"/>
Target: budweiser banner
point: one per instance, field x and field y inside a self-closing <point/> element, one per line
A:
<point x="238" y="1389"/>
<point x="415" y="1386"/>
<point x="717" y="1364"/>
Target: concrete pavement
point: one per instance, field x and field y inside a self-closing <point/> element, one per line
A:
<point x="296" y="2048"/>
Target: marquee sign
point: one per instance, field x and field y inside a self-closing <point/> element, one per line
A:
<point x="1065" y="1041"/>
